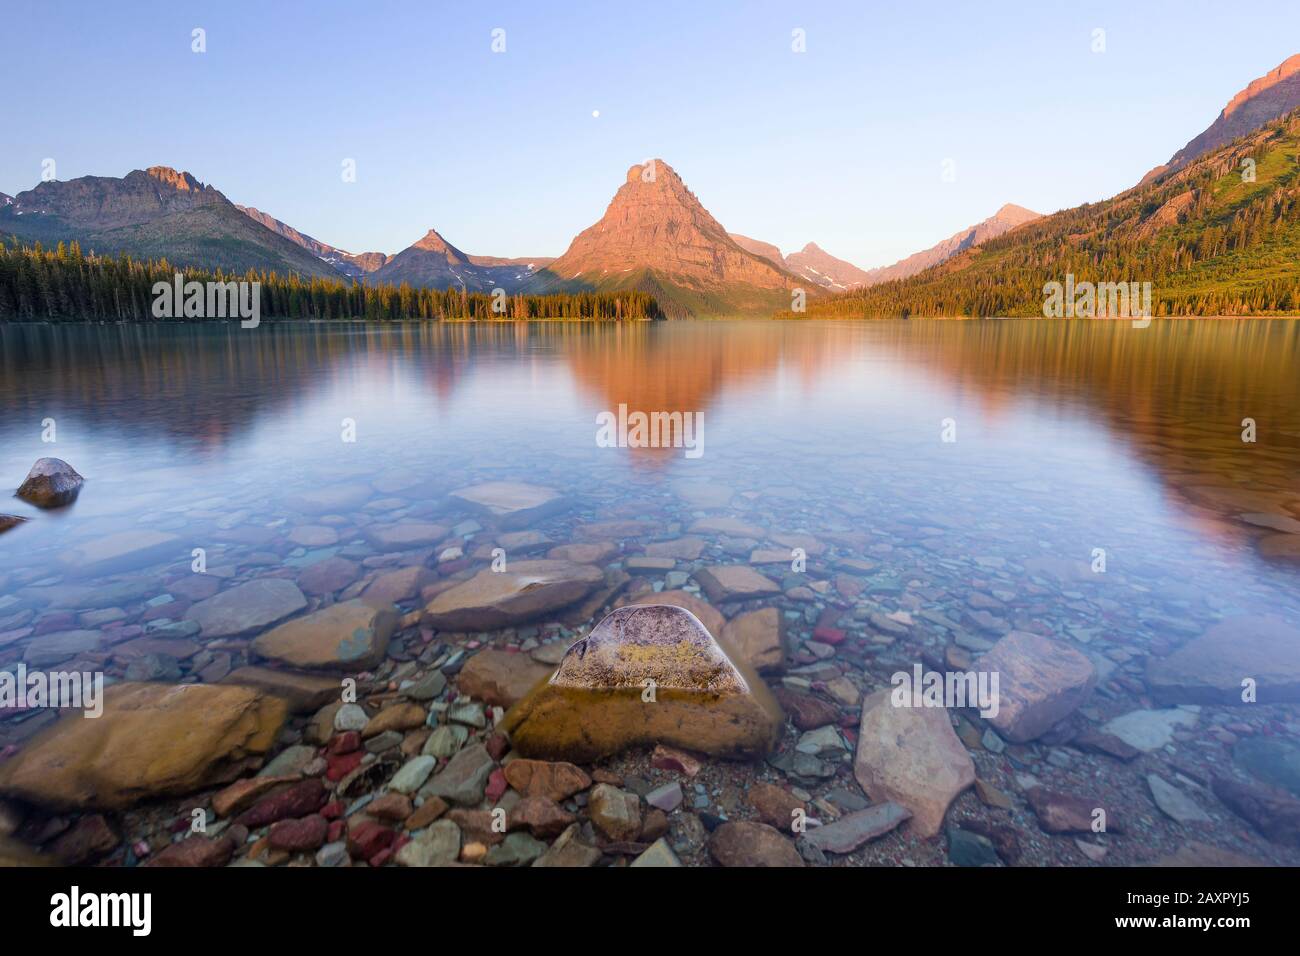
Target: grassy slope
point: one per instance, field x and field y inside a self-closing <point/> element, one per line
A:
<point x="1104" y="242"/>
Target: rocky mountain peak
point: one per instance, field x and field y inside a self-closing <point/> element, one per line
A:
<point x="433" y="242"/>
<point x="1263" y="100"/>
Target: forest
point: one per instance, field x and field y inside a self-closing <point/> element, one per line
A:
<point x="66" y="285"/>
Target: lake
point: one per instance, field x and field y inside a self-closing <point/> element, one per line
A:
<point x="915" y="489"/>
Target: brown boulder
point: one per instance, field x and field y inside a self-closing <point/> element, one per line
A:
<point x="646" y="674"/>
<point x="153" y="740"/>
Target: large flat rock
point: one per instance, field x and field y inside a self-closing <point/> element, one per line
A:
<point x="912" y="756"/>
<point x="1040" y="683"/>
<point x="350" y="636"/>
<point x="247" y="607"/>
<point x="123" y="551"/>
<point x="646" y="674"/>
<point x="153" y="740"/>
<point x="512" y="504"/>
<point x="1210" y="669"/>
<point x="735" y="582"/>
<point x="526" y="590"/>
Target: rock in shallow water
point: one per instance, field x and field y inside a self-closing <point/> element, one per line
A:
<point x="912" y="756"/>
<point x="1210" y="669"/>
<point x="1040" y="683"/>
<point x="52" y="483"/>
<point x="500" y="677"/>
<point x="512" y="504"/>
<point x="153" y="740"/>
<point x="752" y="844"/>
<point x="353" y="635"/>
<point x="646" y="674"/>
<point x="527" y="589"/>
<point x="247" y="607"/>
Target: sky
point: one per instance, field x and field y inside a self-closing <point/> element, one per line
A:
<point x="899" y="124"/>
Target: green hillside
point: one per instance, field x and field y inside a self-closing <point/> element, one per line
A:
<point x="1210" y="239"/>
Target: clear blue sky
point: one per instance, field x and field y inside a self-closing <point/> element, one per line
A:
<point x="841" y="145"/>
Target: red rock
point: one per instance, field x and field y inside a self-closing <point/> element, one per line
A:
<point x="344" y="743"/>
<point x="339" y="766"/>
<point x="297" y="801"/>
<point x="196" y="851"/>
<point x="672" y="759"/>
<point x="333" y="810"/>
<point x="368" y="838"/>
<point x="829" y="635"/>
<point x="497" y="744"/>
<point x="296" y="836"/>
<point x="496" y="785"/>
<point x="336" y="830"/>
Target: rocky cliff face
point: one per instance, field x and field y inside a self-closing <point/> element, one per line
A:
<point x="1263" y="100"/>
<point x="1004" y="220"/>
<point x="655" y="222"/>
<point x="104" y="202"/>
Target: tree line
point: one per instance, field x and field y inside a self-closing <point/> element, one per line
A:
<point x="65" y="284"/>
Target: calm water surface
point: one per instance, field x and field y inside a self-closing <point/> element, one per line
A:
<point x="1069" y="437"/>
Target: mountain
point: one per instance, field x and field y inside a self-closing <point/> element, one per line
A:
<point x="1004" y="220"/>
<point x="352" y="265"/>
<point x="759" y="248"/>
<point x="811" y="262"/>
<point x="1204" y="239"/>
<point x="656" y="236"/>
<point x="436" y="263"/>
<point x="1265" y="99"/>
<point x="154" y="213"/>
<point x="817" y="265"/>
